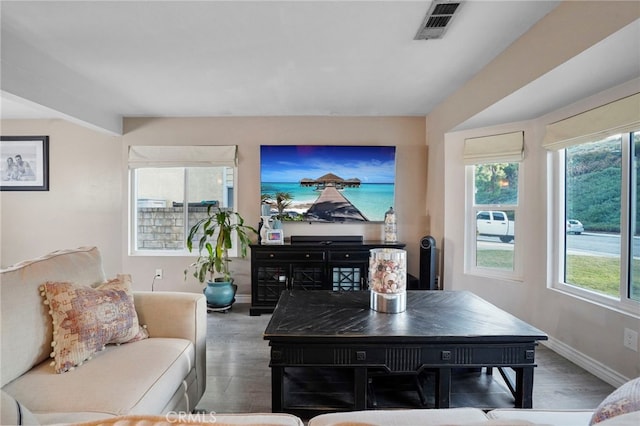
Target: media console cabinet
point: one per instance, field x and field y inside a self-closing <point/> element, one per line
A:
<point x="337" y="263"/>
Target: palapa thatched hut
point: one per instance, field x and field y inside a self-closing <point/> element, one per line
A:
<point x="307" y="182"/>
<point x="330" y="179"/>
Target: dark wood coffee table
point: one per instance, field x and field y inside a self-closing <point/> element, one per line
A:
<point x="440" y="330"/>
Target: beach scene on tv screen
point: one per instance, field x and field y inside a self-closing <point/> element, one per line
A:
<point x="324" y="183"/>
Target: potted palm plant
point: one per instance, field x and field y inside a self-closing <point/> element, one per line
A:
<point x="214" y="237"/>
<point x="282" y="201"/>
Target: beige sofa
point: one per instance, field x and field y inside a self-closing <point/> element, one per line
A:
<point x="470" y="417"/>
<point x="162" y="373"/>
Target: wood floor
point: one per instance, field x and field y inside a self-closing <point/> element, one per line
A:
<point x="239" y="378"/>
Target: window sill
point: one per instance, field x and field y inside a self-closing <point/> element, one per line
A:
<point x="630" y="307"/>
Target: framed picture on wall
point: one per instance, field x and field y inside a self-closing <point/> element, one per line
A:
<point x="328" y="183"/>
<point x="24" y="163"/>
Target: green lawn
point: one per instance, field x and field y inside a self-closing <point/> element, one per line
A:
<point x="496" y="259"/>
<point x="601" y="274"/>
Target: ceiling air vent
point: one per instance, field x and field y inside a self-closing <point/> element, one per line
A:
<point x="437" y="20"/>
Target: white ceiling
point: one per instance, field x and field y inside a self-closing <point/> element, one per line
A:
<point x="97" y="62"/>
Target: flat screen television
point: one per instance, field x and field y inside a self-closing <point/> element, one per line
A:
<point x="327" y="183"/>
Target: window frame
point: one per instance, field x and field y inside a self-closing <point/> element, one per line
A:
<point x="557" y="244"/>
<point x="470" y="264"/>
<point x="132" y="200"/>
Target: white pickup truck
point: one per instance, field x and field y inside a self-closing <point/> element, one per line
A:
<point x="495" y="224"/>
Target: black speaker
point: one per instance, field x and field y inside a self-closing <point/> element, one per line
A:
<point x="428" y="263"/>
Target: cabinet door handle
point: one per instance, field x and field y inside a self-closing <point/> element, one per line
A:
<point x="271" y="255"/>
<point x="307" y="255"/>
<point x="346" y="255"/>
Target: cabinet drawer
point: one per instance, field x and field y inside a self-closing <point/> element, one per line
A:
<point x="349" y="256"/>
<point x="291" y="256"/>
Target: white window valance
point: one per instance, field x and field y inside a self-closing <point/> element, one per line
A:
<point x="620" y="116"/>
<point x="183" y="156"/>
<point x="503" y="148"/>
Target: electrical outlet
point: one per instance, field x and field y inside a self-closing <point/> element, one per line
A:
<point x="158" y="274"/>
<point x="631" y="339"/>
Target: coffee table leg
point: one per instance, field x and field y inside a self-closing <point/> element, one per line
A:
<point x="524" y="387"/>
<point x="360" y="388"/>
<point x="443" y="387"/>
<point x="277" y="389"/>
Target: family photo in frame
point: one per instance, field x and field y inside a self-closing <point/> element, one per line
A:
<point x="24" y="163"/>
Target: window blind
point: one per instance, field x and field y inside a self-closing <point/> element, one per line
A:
<point x="616" y="117"/>
<point x="141" y="156"/>
<point x="503" y="148"/>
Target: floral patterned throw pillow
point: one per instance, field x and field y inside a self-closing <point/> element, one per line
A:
<point x="85" y="319"/>
<point x="623" y="400"/>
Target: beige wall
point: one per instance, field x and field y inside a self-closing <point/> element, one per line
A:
<point x="407" y="134"/>
<point x="83" y="204"/>
<point x="87" y="202"/>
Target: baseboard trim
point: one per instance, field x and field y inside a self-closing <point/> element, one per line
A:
<point x="243" y="298"/>
<point x="594" y="367"/>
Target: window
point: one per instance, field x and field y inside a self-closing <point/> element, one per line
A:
<point x="634" y="231"/>
<point x="596" y="232"/>
<point x="171" y="188"/>
<point x="495" y="205"/>
<point x="600" y="255"/>
<point x="492" y="196"/>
